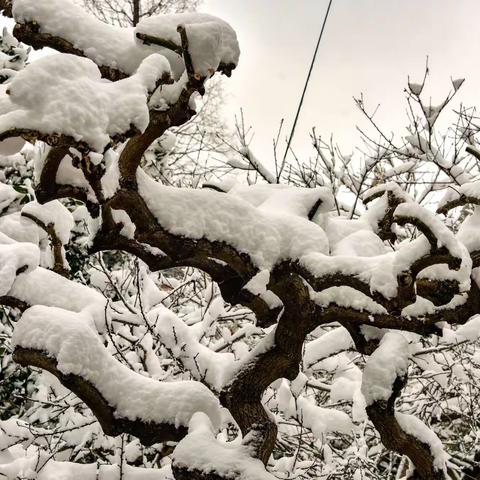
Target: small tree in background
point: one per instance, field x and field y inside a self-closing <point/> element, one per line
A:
<point x="128" y="13"/>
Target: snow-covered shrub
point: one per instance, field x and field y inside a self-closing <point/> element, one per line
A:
<point x="278" y="329"/>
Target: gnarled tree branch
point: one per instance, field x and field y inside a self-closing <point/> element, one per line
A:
<point x="147" y="432"/>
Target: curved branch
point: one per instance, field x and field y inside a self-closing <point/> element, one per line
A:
<point x="333" y="279"/>
<point x="161" y="42"/>
<point x="147" y="432"/>
<point x="14" y="302"/>
<point x="384" y="376"/>
<point x="458" y="315"/>
<point x="48" y="189"/>
<point x="30" y="34"/>
<point x="50" y="168"/>
<point x="160" y="122"/>
<point x="473" y="151"/>
<point x="52" y="139"/>
<point x="439" y="292"/>
<point x="230" y="284"/>
<point x="382" y="415"/>
<point x="68" y="191"/>
<point x="348" y="317"/>
<point x="384" y="225"/>
<point x="403" y="220"/>
<point x="231" y="273"/>
<point x="181" y="250"/>
<point x="459" y="201"/>
<point x="57" y="245"/>
<point x="439" y="257"/>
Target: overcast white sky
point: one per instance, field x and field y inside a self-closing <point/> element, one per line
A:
<point x="369" y="46"/>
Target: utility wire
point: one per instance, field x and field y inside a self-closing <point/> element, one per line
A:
<point x="305" y="86"/>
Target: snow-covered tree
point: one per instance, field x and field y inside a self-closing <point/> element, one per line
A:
<point x="308" y="334"/>
<point x="192" y="153"/>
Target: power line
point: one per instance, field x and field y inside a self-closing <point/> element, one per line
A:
<point x="306" y="84"/>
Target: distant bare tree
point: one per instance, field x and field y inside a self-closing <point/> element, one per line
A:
<point x="130" y="12"/>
